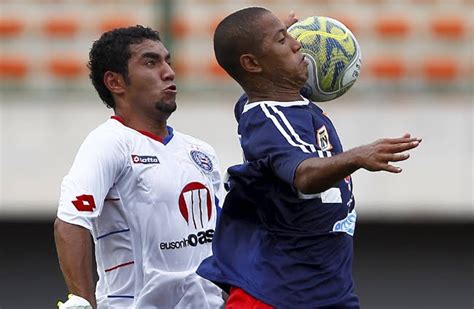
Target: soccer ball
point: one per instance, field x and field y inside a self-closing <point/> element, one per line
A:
<point x="333" y="54"/>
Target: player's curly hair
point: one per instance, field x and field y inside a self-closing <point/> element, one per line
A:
<point x="111" y="53"/>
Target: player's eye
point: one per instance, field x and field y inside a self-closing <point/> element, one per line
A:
<point x="282" y="40"/>
<point x="150" y="63"/>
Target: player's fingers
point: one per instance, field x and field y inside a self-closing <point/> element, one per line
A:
<point x="291" y="19"/>
<point x="398" y="157"/>
<point x="401" y="147"/>
<point x="391" y="169"/>
<point x="403" y="139"/>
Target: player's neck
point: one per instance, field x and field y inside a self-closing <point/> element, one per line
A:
<point x="274" y="95"/>
<point x="146" y="124"/>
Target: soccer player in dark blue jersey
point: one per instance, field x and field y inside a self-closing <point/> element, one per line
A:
<point x="284" y="239"/>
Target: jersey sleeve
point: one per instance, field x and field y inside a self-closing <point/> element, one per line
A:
<point x="218" y="182"/>
<point x="279" y="137"/>
<point x="98" y="163"/>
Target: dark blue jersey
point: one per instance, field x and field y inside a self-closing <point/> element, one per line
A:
<point x="285" y="248"/>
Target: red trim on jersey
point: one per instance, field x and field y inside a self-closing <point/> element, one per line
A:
<point x="118" y="266"/>
<point x="150" y="135"/>
<point x="239" y="299"/>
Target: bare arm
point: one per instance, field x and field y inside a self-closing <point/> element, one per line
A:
<point x="74" y="247"/>
<point x="316" y="175"/>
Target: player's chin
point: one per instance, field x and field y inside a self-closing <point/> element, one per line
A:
<point x="166" y="106"/>
<point x="302" y="70"/>
<point x="301" y="78"/>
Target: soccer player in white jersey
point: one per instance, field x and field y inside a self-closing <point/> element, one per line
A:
<point x="147" y="194"/>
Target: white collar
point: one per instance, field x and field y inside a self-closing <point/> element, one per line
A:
<point x="249" y="106"/>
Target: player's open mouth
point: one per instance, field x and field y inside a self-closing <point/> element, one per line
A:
<point x="171" y="88"/>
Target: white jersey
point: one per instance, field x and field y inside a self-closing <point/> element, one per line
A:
<point x="151" y="206"/>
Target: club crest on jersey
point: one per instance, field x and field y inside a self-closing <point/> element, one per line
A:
<point x="145" y="159"/>
<point x="322" y="137"/>
<point x="202" y="160"/>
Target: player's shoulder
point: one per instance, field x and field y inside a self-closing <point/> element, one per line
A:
<point x="110" y="132"/>
<point x="258" y="113"/>
<point x="194" y="142"/>
<point x="109" y="128"/>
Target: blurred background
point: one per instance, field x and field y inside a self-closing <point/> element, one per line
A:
<point x="414" y="239"/>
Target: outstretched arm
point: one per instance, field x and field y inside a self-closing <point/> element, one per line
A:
<point x="74" y="247"/>
<point x="316" y="175"/>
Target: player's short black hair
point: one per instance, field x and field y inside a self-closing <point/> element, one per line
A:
<point x="111" y="52"/>
<point x="235" y="35"/>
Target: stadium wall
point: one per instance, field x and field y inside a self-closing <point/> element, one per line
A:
<point x="39" y="141"/>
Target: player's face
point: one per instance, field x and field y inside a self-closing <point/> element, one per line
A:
<point x="281" y="58"/>
<point x="151" y="86"/>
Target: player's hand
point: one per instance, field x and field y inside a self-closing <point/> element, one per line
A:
<point x="74" y="302"/>
<point x="291" y="19"/>
<point x="378" y="155"/>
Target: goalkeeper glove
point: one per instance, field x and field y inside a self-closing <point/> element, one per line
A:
<point x="74" y="302"/>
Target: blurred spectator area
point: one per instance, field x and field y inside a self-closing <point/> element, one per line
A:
<point x="44" y="44"/>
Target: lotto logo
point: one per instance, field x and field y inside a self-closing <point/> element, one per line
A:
<point x="84" y="202"/>
<point x="145" y="159"/>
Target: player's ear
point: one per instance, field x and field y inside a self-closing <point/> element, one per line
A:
<point x="114" y="82"/>
<point x="250" y="63"/>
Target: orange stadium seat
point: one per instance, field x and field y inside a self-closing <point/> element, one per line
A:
<point x="440" y="69"/>
<point x="67" y="67"/>
<point x="114" y="22"/>
<point x="11" y="26"/>
<point x="180" y="27"/>
<point x="13" y="67"/>
<point x="388" y="67"/>
<point x="392" y="26"/>
<point x="61" y="26"/>
<point x="453" y="27"/>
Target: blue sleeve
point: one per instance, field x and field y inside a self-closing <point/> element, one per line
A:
<point x="281" y="137"/>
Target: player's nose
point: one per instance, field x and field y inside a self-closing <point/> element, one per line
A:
<point x="295" y="45"/>
<point x="168" y="73"/>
